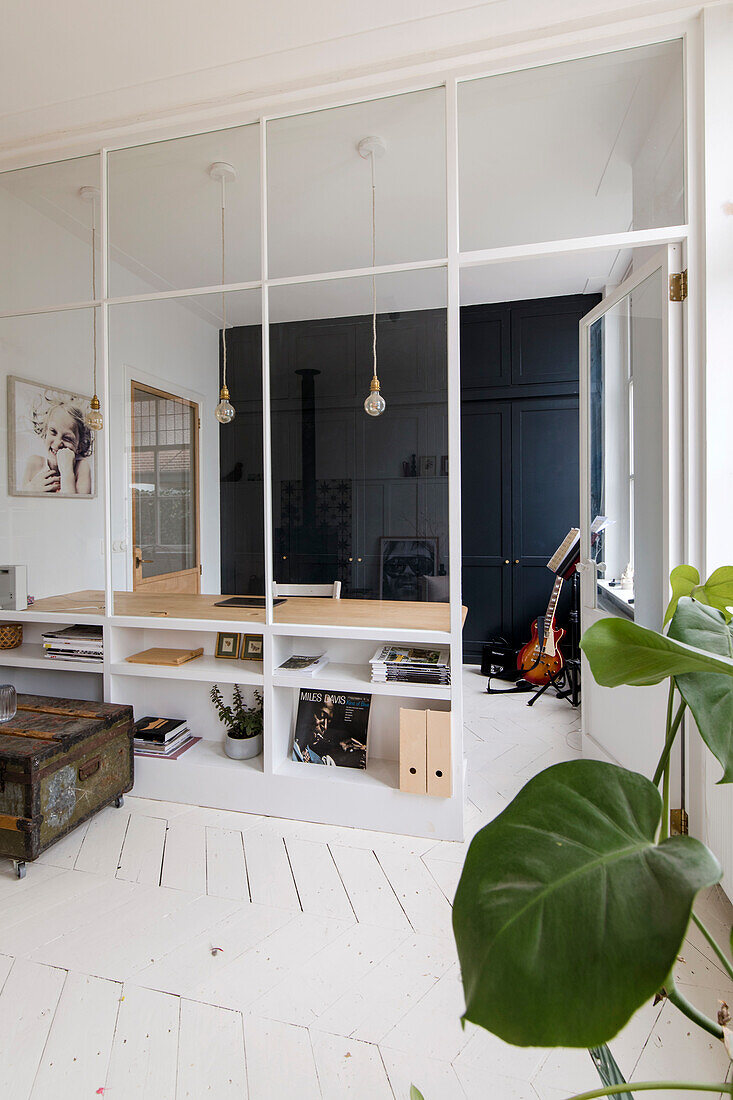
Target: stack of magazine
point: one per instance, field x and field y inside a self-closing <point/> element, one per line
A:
<point x="163" y="737"/>
<point x="74" y="643"/>
<point x="409" y="664"/>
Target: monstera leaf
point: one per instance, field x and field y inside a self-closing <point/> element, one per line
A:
<point x="568" y="917"/>
<point x="708" y="695"/>
<point x="621" y="652"/>
<point x="683" y="579"/>
<point x="717" y="590"/>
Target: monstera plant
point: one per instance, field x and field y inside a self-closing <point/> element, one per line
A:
<point x="574" y="902"/>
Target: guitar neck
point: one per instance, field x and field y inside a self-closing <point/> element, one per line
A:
<point x="551" y="606"/>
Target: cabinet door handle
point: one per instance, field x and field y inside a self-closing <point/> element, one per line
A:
<point x="516" y="561"/>
<point x="506" y="561"/>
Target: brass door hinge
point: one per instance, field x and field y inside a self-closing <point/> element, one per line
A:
<point x="678" y="287"/>
<point x="678" y="822"/>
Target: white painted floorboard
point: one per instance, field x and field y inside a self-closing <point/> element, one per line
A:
<point x="75" y="1060"/>
<point x="144" y="1060"/>
<point x="211" y="1053"/>
<point x="169" y="952"/>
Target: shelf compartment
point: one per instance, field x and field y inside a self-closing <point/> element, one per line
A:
<point x="31" y="655"/>
<point x="352" y="677"/>
<point x="208" y="669"/>
<point x="378" y="773"/>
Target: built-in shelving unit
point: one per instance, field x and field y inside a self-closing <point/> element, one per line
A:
<point x="272" y="783"/>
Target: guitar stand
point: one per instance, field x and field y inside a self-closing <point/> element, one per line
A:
<point x="521" y="687"/>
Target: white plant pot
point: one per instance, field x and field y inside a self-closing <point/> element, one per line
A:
<point x="243" y="748"/>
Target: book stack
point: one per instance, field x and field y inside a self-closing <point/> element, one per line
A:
<point x="162" y="737"/>
<point x="408" y="664"/>
<point x="74" y="643"/>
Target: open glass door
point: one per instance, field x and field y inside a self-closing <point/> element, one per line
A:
<point x="165" y="505"/>
<point x="631" y="485"/>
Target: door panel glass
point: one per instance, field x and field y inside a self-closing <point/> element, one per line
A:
<point x="164" y="489"/>
<point x="626" y="364"/>
<point x="573" y="149"/>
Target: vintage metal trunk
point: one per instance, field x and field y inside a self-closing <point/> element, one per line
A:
<point x="61" y="760"/>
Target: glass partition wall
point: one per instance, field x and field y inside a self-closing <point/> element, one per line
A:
<point x="293" y="261"/>
<point x="272" y="317"/>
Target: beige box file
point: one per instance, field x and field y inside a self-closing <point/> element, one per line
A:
<point x="439" y="754"/>
<point x="413" y="751"/>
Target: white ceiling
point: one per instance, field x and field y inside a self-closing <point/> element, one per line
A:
<point x="71" y="69"/>
<point x="545" y="153"/>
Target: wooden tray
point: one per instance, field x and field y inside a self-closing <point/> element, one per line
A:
<point x="164" y="656"/>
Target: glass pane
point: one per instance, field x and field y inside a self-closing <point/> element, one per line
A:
<point x="164" y="461"/>
<point x="46" y="234"/>
<point x="188" y="519"/>
<point x="165" y="213"/>
<point x="360" y="499"/>
<point x="319" y="187"/>
<point x="626" y="468"/>
<point x="573" y="149"/>
<point x="51" y="503"/>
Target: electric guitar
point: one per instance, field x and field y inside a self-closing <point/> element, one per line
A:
<point x="541" y="657"/>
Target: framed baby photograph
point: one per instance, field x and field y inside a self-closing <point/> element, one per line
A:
<point x="50" y="447"/>
<point x="227" y="646"/>
<point x="251" y="647"/>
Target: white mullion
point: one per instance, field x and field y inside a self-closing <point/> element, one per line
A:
<point x="188" y="292"/>
<point x="454" y="437"/>
<point x="37" y="311"/>
<point x="266" y="417"/>
<point x="357" y="272"/>
<point x="635" y="238"/>
<point x="105" y="396"/>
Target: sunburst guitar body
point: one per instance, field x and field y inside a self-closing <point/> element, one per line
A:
<point x="541" y="658"/>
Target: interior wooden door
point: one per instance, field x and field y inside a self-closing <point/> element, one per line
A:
<point x="165" y="491"/>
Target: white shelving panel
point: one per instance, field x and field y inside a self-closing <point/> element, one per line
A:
<point x="272" y="784"/>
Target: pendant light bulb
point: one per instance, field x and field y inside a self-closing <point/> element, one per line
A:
<point x="94" y="417"/>
<point x="224" y="411"/>
<point x="375" y="403"/>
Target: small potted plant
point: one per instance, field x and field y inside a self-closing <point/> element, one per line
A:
<point x="243" y="723"/>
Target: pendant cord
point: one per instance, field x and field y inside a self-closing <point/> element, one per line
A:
<point x="94" y="292"/>
<point x="223" y="281"/>
<point x="374" y="264"/>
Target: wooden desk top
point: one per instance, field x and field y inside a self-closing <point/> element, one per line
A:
<point x="296" y="610"/>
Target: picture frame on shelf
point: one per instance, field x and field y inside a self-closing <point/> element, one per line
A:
<point x="252" y="647"/>
<point x="444" y="465"/>
<point x="227" y="645"/>
<point x="403" y="560"/>
<point x="427" y="466"/>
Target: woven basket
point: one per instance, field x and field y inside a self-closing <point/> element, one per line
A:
<point x="11" y="635"/>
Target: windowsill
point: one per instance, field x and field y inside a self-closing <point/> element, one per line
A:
<point x="615" y="599"/>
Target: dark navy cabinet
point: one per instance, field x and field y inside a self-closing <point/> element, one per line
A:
<point x="520" y="455"/>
